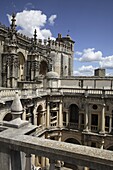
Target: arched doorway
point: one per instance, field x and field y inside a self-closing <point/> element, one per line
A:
<point x="8" y="117"/>
<point x="43" y="68"/>
<point x="39" y="111"/>
<point x="21" y="70"/>
<point x="73" y="116"/>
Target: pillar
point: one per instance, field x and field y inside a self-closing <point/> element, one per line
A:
<point x="42" y="119"/>
<point x="102" y="144"/>
<point x="67" y="118"/>
<point x="47" y="163"/>
<point x="8" y="73"/>
<point x="28" y="162"/>
<point x="24" y="114"/>
<point x="79" y="123"/>
<point x="35" y="116"/>
<point x="86" y="118"/>
<point x="37" y="161"/>
<point x="60" y="115"/>
<point x="110" y="123"/>
<point x="43" y="162"/>
<point x="48" y="115"/>
<point x="89" y="120"/>
<point x="103" y="119"/>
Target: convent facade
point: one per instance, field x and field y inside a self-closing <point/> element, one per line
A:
<point x="64" y="107"/>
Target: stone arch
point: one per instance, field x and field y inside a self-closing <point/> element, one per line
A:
<point x="21" y="68"/>
<point x="73" y="140"/>
<point x="7" y="117"/>
<point x="43" y="67"/>
<point x="73" y="113"/>
<point x="39" y="111"/>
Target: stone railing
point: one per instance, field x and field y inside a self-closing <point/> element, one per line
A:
<point x="39" y="92"/>
<point x="73" y="125"/>
<point x="53" y="150"/>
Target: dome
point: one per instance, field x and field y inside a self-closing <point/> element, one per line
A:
<point x="52" y="75"/>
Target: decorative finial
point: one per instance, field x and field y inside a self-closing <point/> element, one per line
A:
<point x="35" y="36"/>
<point x="13" y="25"/>
<point x="16" y="107"/>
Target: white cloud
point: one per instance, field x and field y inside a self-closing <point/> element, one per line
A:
<point x="78" y="53"/>
<point x="28" y="21"/>
<point x="107" y="62"/>
<point x="85" y="71"/>
<point x="89" y="55"/>
<point x="52" y="19"/>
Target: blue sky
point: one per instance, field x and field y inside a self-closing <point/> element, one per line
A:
<point x="90" y="24"/>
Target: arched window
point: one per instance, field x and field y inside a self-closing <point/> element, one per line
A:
<point x="43" y="68"/>
<point x="74" y="113"/>
<point x="39" y="110"/>
<point x="21" y="70"/>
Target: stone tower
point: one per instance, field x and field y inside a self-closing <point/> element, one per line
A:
<point x="62" y="50"/>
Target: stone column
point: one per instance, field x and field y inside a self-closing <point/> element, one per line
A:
<point x="28" y="162"/>
<point x="47" y="163"/>
<point x="86" y="118"/>
<point x="60" y="121"/>
<point x="42" y="119"/>
<point x="52" y="164"/>
<point x="103" y="119"/>
<point x="24" y="114"/>
<point x="48" y="115"/>
<point x="16" y="163"/>
<point x="110" y="123"/>
<point x="79" y="122"/>
<point x="43" y="162"/>
<point x="37" y="161"/>
<point x="35" y="116"/>
<point x="33" y="159"/>
<point x="67" y="118"/>
<point x="8" y="72"/>
<point x="102" y="144"/>
<point x="89" y="119"/>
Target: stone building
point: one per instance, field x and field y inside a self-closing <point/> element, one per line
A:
<point x="65" y="108"/>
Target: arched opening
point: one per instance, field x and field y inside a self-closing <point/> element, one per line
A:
<point x="39" y="111"/>
<point x="21" y="70"/>
<point x="72" y="140"/>
<point x="67" y="165"/>
<point x="43" y="68"/>
<point x="8" y="117"/>
<point x="74" y="116"/>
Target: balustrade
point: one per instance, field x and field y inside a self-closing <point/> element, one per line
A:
<point x="73" y="125"/>
<point x="94" y="128"/>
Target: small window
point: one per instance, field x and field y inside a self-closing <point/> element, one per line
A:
<point x="95" y="107"/>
